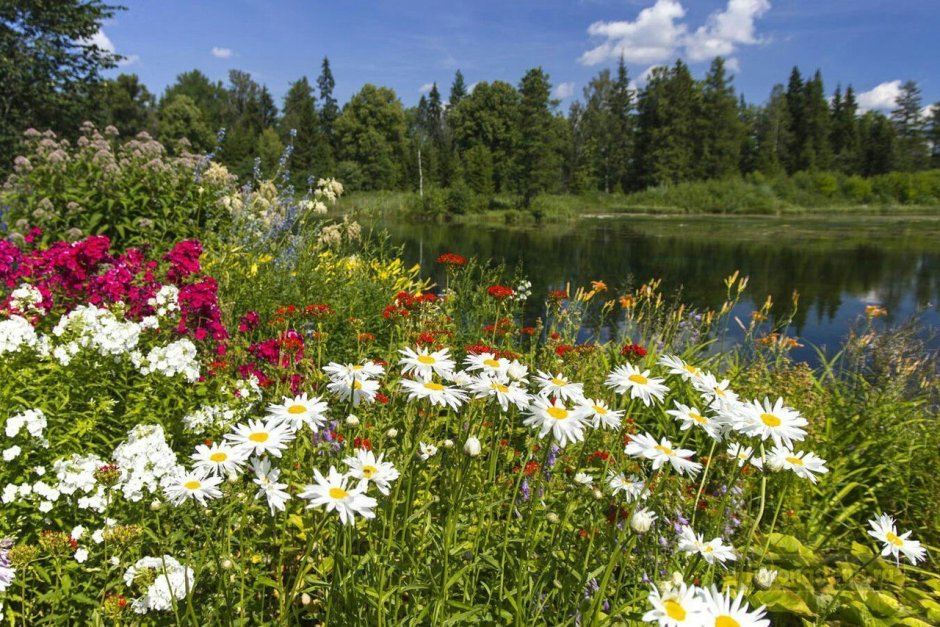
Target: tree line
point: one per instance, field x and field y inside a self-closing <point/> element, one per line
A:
<point x="493" y="138"/>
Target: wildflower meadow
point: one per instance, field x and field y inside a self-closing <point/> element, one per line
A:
<point x="222" y="405"/>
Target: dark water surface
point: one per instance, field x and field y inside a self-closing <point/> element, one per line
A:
<point x="838" y="265"/>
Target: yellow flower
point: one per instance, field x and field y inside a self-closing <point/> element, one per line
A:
<point x="599" y="286"/>
<point x="874" y="311"/>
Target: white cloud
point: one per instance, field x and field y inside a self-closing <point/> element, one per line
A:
<point x="425" y="88"/>
<point x="563" y="90"/>
<point x="658" y="33"/>
<point x="880" y="98"/>
<point x="222" y="53"/>
<point x="104" y="42"/>
<point x="724" y="30"/>
<point x="652" y="37"/>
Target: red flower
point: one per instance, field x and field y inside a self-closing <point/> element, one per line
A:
<point x="563" y="349"/>
<point x="477" y="349"/>
<point x="557" y="295"/>
<point x="366" y="337"/>
<point x="500" y="292"/>
<point x="318" y="310"/>
<point x="362" y="443"/>
<point x="451" y="259"/>
<point x="630" y="350"/>
<point x="381" y="398"/>
<point x="527" y="331"/>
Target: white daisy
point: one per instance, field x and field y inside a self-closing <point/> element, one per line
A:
<point x="427" y="451"/>
<point x="300" y="411"/>
<point x="644" y="445"/>
<point x="268" y="486"/>
<point x="424" y="364"/>
<point x="518" y="371"/>
<point x="744" y="455"/>
<point x="714" y="550"/>
<point x="584" y="479"/>
<point x="219" y="458"/>
<point x="504" y="391"/>
<point x="259" y="438"/>
<point x="782" y="424"/>
<point x="678" y="366"/>
<point x="436" y="393"/>
<point x="689" y="417"/>
<point x="333" y="492"/>
<point x="628" y="378"/>
<point x="679" y="607"/>
<point x="633" y="487"/>
<point x="487" y="363"/>
<point x="600" y="414"/>
<point x="566" y="425"/>
<point x="805" y="464"/>
<point x="361" y="390"/>
<point x="194" y="485"/>
<point x="883" y="530"/>
<point x="366" y="468"/>
<point x="719" y="610"/>
<point x="365" y="370"/>
<point x="716" y="392"/>
<point x="559" y="386"/>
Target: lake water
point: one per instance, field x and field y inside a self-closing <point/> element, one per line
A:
<point x="838" y="265"/>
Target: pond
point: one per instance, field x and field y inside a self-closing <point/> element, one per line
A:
<point x="837" y="265"/>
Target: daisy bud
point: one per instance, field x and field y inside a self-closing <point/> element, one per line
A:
<point x="233" y="478"/>
<point x="764" y="578"/>
<point x="226" y="564"/>
<point x="393" y="432"/>
<point x="155" y="505"/>
<point x="642" y="520"/>
<point x="552" y="517"/>
<point x="598" y="494"/>
<point x="352" y="420"/>
<point x="305" y="599"/>
<point x="448" y="444"/>
<point x="775" y="463"/>
<point x="472" y="446"/>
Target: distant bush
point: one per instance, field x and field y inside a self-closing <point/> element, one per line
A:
<point x="133" y="192"/>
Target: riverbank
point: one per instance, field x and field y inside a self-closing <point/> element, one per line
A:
<point x="906" y="195"/>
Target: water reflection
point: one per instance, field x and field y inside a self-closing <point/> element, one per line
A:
<point x="838" y="266"/>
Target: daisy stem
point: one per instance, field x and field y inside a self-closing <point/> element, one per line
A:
<point x="760" y="511"/>
<point x="773" y="523"/>
<point x="701" y="485"/>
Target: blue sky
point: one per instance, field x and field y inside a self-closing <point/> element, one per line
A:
<point x="407" y="44"/>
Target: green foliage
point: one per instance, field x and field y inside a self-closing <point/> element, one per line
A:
<point x="371" y="132"/>
<point x="134" y="192"/>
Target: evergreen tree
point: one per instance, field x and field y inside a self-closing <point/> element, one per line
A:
<point x="311" y="155"/>
<point x="667" y="136"/>
<point x="877" y="137"/>
<point x="796" y="112"/>
<point x="595" y="132"/>
<point x="933" y="134"/>
<point x="211" y="98"/>
<point x="844" y="133"/>
<point x="458" y="90"/>
<point x="620" y="145"/>
<point x="774" y="134"/>
<point x="181" y="118"/>
<point x="537" y="163"/>
<point x="816" y="149"/>
<point x="329" y="109"/>
<point x="720" y="126"/>
<point x="911" y="145"/>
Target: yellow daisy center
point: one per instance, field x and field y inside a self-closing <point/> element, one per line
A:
<point x="726" y="621"/>
<point x="357" y="385"/>
<point x="557" y="381"/>
<point x="426" y="359"/>
<point x="437" y="387"/>
<point x="192" y="484"/>
<point x="600" y="410"/>
<point x="719" y="392"/>
<point x="558" y="413"/>
<point x="770" y="420"/>
<point x="691" y="369"/>
<point x="492" y="363"/>
<point x="338" y="493"/>
<point x="796" y="461"/>
<point x="894" y="539"/>
<point x="259" y="436"/>
<point x="664" y="449"/>
<point x="297" y="409"/>
<point x="674" y="609"/>
<point x="699" y="418"/>
<point x="218" y="457"/>
<point x="368" y="471"/>
<point x="499" y="387"/>
<point x="708" y="549"/>
<point x="356" y="368"/>
<point x="638" y="379"/>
